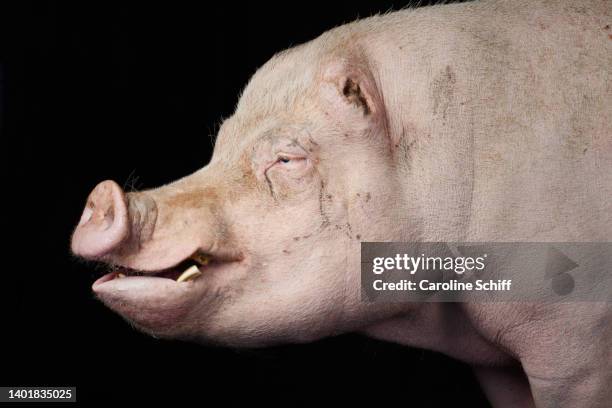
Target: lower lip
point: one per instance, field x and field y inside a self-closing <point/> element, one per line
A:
<point x="105" y="278"/>
<point x="170" y="275"/>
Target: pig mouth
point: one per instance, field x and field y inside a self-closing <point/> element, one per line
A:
<point x="187" y="270"/>
<point x="160" y="301"/>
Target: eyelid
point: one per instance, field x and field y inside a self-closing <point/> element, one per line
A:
<point x="290" y="156"/>
<point x="279" y="155"/>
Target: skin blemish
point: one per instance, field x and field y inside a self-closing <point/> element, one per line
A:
<point x="368" y="197"/>
<point x="349" y="228"/>
<point x="324" y="217"/>
<point x="296" y="239"/>
<point x="247" y="176"/>
<point x="358" y="236"/>
<point x="193" y="199"/>
<point x="294" y="143"/>
<point x="607" y="27"/>
<point x="270" y="187"/>
<point x="443" y="89"/>
<point x="286" y="252"/>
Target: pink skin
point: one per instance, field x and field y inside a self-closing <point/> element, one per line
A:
<point x="404" y="127"/>
<point x="278" y="208"/>
<point x="104" y="223"/>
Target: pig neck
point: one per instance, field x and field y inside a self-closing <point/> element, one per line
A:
<point x="433" y="147"/>
<point x="440" y="327"/>
<point x="433" y="139"/>
<point x="468" y="109"/>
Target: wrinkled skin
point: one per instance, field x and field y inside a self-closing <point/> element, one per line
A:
<point x="434" y="124"/>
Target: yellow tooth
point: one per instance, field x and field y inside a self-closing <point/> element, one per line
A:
<point x="201" y="258"/>
<point x="119" y="276"/>
<point x="190" y="274"/>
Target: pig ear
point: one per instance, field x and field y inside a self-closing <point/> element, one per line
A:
<point x="353" y="92"/>
<point x="355" y="87"/>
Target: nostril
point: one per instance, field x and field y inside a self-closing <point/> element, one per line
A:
<point x="100" y="210"/>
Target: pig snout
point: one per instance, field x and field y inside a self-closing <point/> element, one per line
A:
<point x="104" y="225"/>
<point x="155" y="262"/>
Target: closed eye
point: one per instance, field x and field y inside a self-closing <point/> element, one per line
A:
<point x="290" y="162"/>
<point x="293" y="160"/>
<point x="288" y="168"/>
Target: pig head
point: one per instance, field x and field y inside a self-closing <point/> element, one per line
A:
<point x="301" y="173"/>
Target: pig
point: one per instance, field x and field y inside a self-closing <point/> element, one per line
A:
<point x="471" y="122"/>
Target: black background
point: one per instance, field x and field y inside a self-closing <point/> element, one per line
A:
<point x="132" y="92"/>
